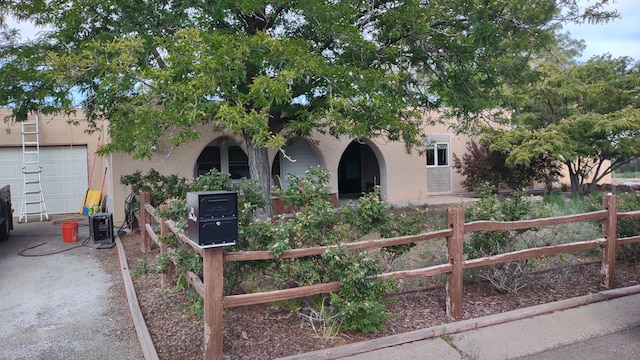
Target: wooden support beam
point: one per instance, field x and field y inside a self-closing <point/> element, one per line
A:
<point x="145" y="198"/>
<point x="609" y="230"/>
<point x="153" y="237"/>
<point x="455" y="221"/>
<point x="213" y="302"/>
<point x="492" y="225"/>
<point x="319" y="250"/>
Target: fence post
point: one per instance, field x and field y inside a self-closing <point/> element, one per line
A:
<point x="167" y="278"/>
<point x="135" y="226"/>
<point x="145" y="198"/>
<point x="610" y="230"/>
<point x="455" y="221"/>
<point x="212" y="262"/>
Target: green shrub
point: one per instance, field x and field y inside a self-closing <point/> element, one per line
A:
<point x="630" y="253"/>
<point x="161" y="187"/>
<point x="315" y="223"/>
<point x="508" y="277"/>
<point x="368" y="214"/>
<point x="361" y="302"/>
<point x="489" y="207"/>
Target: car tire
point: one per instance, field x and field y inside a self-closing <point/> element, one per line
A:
<point x="6" y="223"/>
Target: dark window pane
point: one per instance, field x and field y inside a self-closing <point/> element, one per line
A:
<point x="238" y="163"/>
<point x="431" y="158"/>
<point x="208" y="159"/>
<point x="443" y="154"/>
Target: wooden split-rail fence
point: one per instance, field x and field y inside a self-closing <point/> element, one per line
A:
<point x="211" y="286"/>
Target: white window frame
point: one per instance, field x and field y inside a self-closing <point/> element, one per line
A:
<point x="434" y="146"/>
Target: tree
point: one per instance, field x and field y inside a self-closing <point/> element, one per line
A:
<point x="480" y="165"/>
<point x="272" y="70"/>
<point x="585" y="115"/>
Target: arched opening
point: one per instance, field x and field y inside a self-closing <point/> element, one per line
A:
<point x="358" y="171"/>
<point x="226" y="156"/>
<point x="300" y="156"/>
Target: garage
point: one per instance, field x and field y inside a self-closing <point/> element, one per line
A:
<point x="64" y="177"/>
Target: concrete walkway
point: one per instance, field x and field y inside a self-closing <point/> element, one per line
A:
<point x="64" y="305"/>
<point x="601" y="330"/>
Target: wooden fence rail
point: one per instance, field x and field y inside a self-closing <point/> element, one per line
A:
<point x="211" y="286"/>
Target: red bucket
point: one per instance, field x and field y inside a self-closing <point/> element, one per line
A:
<point x="70" y="232"/>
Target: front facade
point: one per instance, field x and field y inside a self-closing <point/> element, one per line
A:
<point x="355" y="165"/>
<point x="71" y="167"/>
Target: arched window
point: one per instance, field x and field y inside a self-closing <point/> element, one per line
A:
<point x="225" y="156"/>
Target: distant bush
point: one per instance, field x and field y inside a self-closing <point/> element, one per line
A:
<point x="632" y="167"/>
<point x="480" y="165"/>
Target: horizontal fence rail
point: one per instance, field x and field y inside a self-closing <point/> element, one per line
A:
<point x="211" y="286"/>
<point x="531" y="224"/>
<point x="319" y="250"/>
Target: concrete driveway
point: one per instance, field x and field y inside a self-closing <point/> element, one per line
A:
<point x="62" y="305"/>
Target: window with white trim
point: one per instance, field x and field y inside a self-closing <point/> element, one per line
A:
<point x="438" y="154"/>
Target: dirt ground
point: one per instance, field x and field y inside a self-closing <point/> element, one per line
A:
<point x="267" y="332"/>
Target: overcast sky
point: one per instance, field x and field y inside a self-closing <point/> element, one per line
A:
<point x="620" y="37"/>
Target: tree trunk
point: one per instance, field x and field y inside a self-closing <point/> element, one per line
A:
<point x="260" y="171"/>
<point x="575" y="181"/>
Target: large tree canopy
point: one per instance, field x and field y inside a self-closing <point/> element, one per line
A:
<point x="269" y="70"/>
<point x="585" y="115"/>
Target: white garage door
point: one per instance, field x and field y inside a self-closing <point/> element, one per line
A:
<point x="64" y="177"/>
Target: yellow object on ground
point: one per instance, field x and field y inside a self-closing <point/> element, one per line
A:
<point x="92" y="202"/>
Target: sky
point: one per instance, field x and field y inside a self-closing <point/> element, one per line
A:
<point x="620" y="37"/>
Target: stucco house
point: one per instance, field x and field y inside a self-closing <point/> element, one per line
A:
<point x="355" y="165"/>
<point x="70" y="165"/>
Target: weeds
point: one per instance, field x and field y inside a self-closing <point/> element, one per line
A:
<point x="324" y="321"/>
<point x="142" y="268"/>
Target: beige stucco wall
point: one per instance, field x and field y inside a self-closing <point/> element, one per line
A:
<point x="166" y="160"/>
<point x="403" y="176"/>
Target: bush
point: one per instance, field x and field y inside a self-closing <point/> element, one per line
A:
<point x="630" y="253"/>
<point x="368" y="214"/>
<point x="480" y="164"/>
<point x="161" y="187"/>
<point x="507" y="277"/>
<point x="361" y="302"/>
<point x="172" y="190"/>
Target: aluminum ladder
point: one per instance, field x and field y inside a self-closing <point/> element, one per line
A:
<point x="32" y="194"/>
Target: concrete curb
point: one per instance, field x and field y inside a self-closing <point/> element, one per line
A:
<point x="465" y="325"/>
<point x="148" y="348"/>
